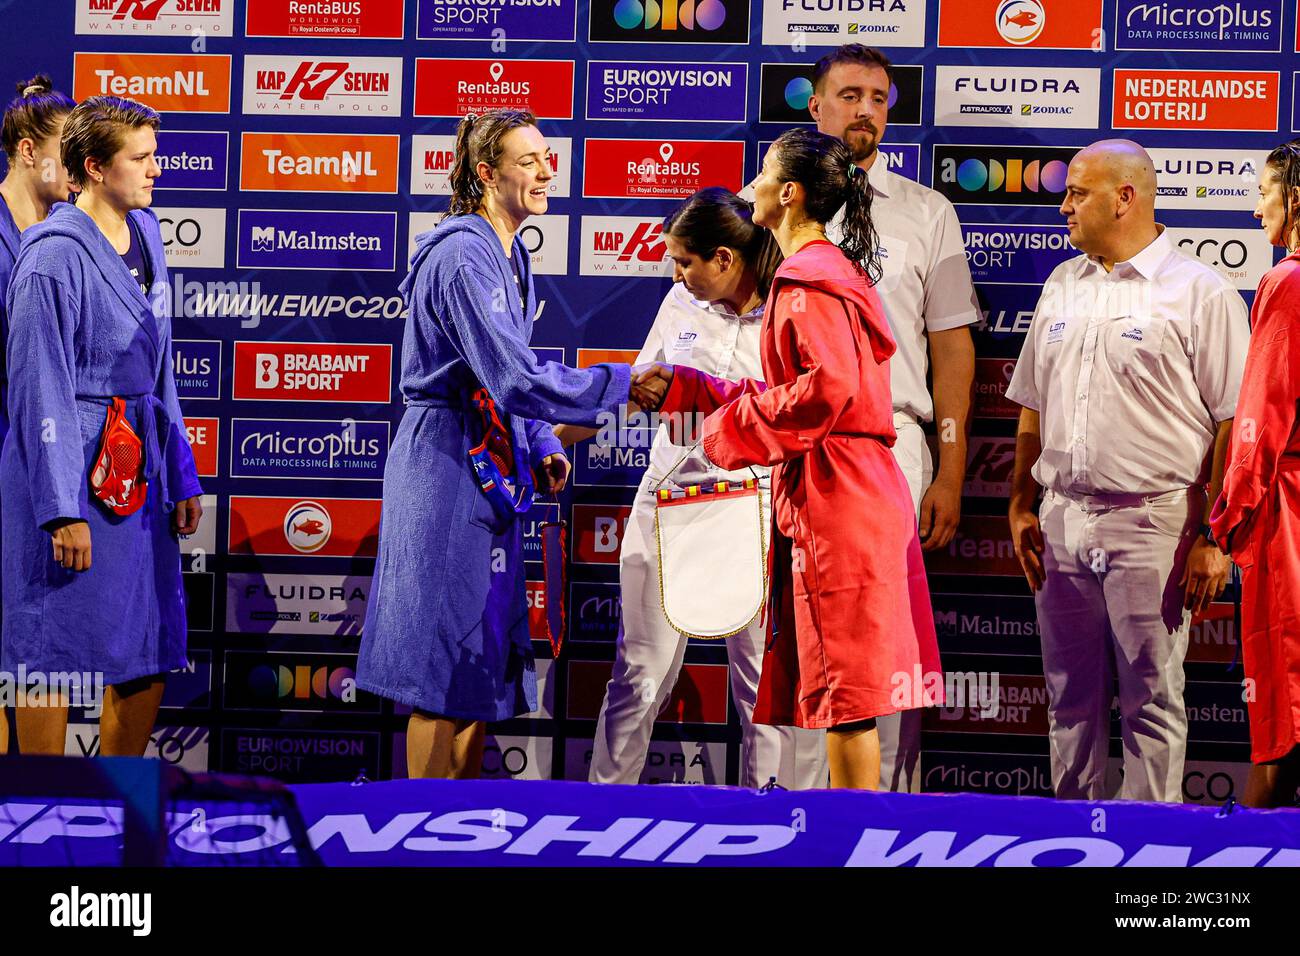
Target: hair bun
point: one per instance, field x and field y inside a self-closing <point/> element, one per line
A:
<point x="41" y="83"/>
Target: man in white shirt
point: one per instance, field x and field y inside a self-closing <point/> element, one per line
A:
<point x="1128" y="380"/>
<point x="930" y="303"/>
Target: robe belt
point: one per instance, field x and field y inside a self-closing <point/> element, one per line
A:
<point x="150" y="413"/>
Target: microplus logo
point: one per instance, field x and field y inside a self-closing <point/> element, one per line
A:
<point x="131" y="910"/>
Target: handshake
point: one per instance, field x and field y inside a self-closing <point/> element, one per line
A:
<point x="649" y="385"/>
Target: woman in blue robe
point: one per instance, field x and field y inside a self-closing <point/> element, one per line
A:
<point x="446" y="630"/>
<point x="35" y="181"/>
<point x="89" y="321"/>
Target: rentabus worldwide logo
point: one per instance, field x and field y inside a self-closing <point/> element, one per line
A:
<point x="650" y="21"/>
<point x="1002" y="175"/>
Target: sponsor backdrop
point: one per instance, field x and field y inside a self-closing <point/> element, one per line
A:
<point x="306" y="143"/>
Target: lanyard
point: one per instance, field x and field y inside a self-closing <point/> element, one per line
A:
<point x="493" y="460"/>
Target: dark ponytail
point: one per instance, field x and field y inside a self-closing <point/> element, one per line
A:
<point x="33" y="114"/>
<point x="1286" y="160"/>
<point x="824" y="167"/>
<point x="716" y="217"/>
<point x="478" y="140"/>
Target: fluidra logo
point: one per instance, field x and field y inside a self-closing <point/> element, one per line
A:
<point x="75" y="908"/>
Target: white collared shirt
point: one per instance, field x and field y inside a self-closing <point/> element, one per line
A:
<point x="925" y="284"/>
<point x="1131" y="371"/>
<point x="713" y="339"/>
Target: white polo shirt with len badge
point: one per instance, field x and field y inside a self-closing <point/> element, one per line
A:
<point x="1131" y="371"/>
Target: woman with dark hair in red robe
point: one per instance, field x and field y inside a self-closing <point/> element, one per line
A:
<point x="856" y="634"/>
<point x="1257" y="517"/>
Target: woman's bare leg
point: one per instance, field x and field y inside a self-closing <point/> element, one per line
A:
<point x="467" y="750"/>
<point x="42" y="730"/>
<point x="130" y="712"/>
<point x="1273" y="785"/>
<point x="428" y="745"/>
<point x="853" y="752"/>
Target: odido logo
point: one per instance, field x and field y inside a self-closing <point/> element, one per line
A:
<point x="1002" y="175"/>
<point x="705" y="15"/>
<point x="1020" y="21"/>
<point x="691" y="21"/>
<point x="307" y="526"/>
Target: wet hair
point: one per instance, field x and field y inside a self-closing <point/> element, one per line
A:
<point x="478" y="140"/>
<point x="96" y="129"/>
<point x="1286" y="160"/>
<point x="850" y="53"/>
<point x="716" y="217"/>
<point x="823" y="166"/>
<point x="33" y="114"/>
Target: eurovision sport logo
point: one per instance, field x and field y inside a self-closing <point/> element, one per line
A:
<point x="1195" y="99"/>
<point x="317" y="240"/>
<point x="169" y="82"/>
<point x="1207" y="178"/>
<point x="196" y="363"/>
<point x="884" y="23"/>
<point x="452" y="88"/>
<point x="785" y="88"/>
<point x="534" y="20"/>
<point x="156" y="18"/>
<point x="1002" y="175"/>
<point x="1209" y="26"/>
<point x="1036" y="24"/>
<point x="300" y="756"/>
<point x="656" y="21"/>
<point x="192" y="160"/>
<point x="320" y="527"/>
<point x="658" y="169"/>
<point x="623" y="246"/>
<point x="1017" y="254"/>
<point x="193" y="237"/>
<point x="296" y="603"/>
<point x="1035" y="97"/>
<point x="432" y="156"/>
<point x="683" y="92"/>
<point x="298" y="449"/>
<point x="313" y="372"/>
<point x="345" y="19"/>
<point x="318" y="162"/>
<point x="357" y="86"/>
<point x="203" y="435"/>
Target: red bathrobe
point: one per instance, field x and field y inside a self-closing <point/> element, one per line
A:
<point x="1258" y="514"/>
<point x="856" y="637"/>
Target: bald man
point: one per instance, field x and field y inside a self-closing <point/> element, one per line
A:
<point x="1128" y="382"/>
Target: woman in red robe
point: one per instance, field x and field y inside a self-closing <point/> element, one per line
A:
<point x="1257" y="517"/>
<point x="855" y="637"/>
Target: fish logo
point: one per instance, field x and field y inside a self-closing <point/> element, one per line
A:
<point x="1020" y="22"/>
<point x="307" y="526"/>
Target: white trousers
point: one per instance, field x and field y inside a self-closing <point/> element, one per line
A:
<point x="1111" y="611"/>
<point x="900" y="733"/>
<point x="649" y="657"/>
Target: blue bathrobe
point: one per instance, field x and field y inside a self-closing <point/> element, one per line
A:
<point x="81" y="332"/>
<point x="447" y="624"/>
<point x="10" y="237"/>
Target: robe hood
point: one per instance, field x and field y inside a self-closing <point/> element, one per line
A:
<point x="451" y="227"/>
<point x="822" y="265"/>
<point x="69" y="222"/>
